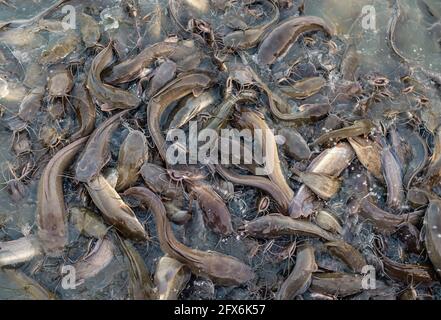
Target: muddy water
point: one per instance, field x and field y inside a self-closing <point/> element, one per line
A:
<point x="20" y="70"/>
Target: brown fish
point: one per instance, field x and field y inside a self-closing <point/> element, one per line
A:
<point x="249" y="119"/>
<point x="30" y="287"/>
<point x="114" y="210"/>
<point x="295" y="145"/>
<point x="162" y="75"/>
<point x="276" y="225"/>
<point x="299" y="279"/>
<point x="434" y="167"/>
<point x="31" y="104"/>
<point x="393" y="176"/>
<point x="408" y="273"/>
<point x="216" y="215"/>
<point x="222" y="269"/>
<point x="433" y="233"/>
<point x="178" y="88"/>
<point x="250" y="37"/>
<point x="85" y="110"/>
<point x="283" y="36"/>
<point x="385" y="221"/>
<point x="360" y="127"/>
<point x="171" y="277"/>
<point x="332" y="162"/>
<point x="51" y="210"/>
<point x="157" y="179"/>
<point x="20" y="250"/>
<point x="141" y="286"/>
<point x="323" y="185"/>
<point x="337" y="283"/>
<point x="132" y="155"/>
<point x="418" y="147"/>
<point x="95" y="261"/>
<point x="258" y="182"/>
<point x="304" y="88"/>
<point x="111" y="97"/>
<point x="131" y="69"/>
<point x="348" y="254"/>
<point x="369" y="155"/>
<point x="97" y="154"/>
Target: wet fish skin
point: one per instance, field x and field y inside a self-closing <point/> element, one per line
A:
<point x="323" y="185"/>
<point x="276" y="225"/>
<point x="132" y="155"/>
<point x="20" y="250"/>
<point x="88" y="222"/>
<point x="173" y="91"/>
<point x="85" y="110"/>
<point x="157" y="179"/>
<point x="434" y="167"/>
<point x="171" y="277"/>
<point x="141" y="286"/>
<point x="95" y="261"/>
<point x="222" y="269"/>
<point x="249" y="38"/>
<point x="217" y="216"/>
<point x="252" y="120"/>
<point x="360" y="127"/>
<point x="332" y="161"/>
<point x="31" y="104"/>
<point x="131" y="69"/>
<point x="328" y="221"/>
<point x="369" y="155"/>
<point x="348" y="254"/>
<point x="110" y="97"/>
<point x="432" y="222"/>
<point x="338" y="284"/>
<point x="96" y="154"/>
<point x="295" y="144"/>
<point x="259" y="182"/>
<point x="162" y="75"/>
<point x="191" y="108"/>
<point x="383" y="221"/>
<point x="32" y="288"/>
<point x="420" y="156"/>
<point x="304" y="88"/>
